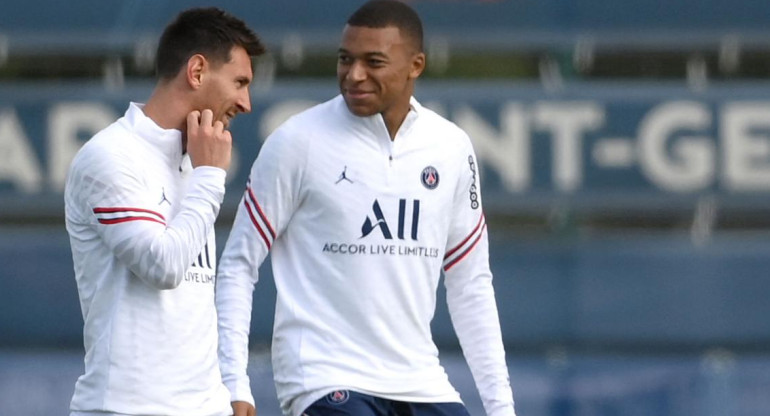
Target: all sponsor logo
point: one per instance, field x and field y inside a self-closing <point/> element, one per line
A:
<point x="380" y="222"/>
<point x="407" y="230"/>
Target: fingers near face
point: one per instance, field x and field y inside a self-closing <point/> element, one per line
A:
<point x="220" y="128"/>
<point x="193" y="119"/>
<point x="207" y="117"/>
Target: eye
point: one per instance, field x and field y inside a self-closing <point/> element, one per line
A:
<point x="344" y="59"/>
<point x="376" y="62"/>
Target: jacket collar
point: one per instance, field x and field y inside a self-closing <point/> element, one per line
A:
<point x="376" y="123"/>
<point x="166" y="141"/>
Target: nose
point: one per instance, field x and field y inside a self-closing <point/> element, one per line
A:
<point x="244" y="101"/>
<point x="356" y="72"/>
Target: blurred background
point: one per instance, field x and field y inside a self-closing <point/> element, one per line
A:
<point x="625" y="161"/>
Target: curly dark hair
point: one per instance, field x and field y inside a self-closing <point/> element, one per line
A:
<point x="385" y="13"/>
<point x="210" y="32"/>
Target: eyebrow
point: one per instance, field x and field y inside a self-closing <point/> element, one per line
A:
<point x="367" y="54"/>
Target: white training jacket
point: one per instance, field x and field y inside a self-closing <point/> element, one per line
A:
<point x="140" y="221"/>
<point x="360" y="229"/>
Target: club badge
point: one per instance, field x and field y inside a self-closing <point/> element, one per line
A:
<point x="430" y="177"/>
<point x="338" y="397"/>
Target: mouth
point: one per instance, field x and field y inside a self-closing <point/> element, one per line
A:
<point x="227" y="118"/>
<point x="357" y="94"/>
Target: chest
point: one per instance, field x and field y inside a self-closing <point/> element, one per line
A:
<point x="165" y="187"/>
<point x="386" y="191"/>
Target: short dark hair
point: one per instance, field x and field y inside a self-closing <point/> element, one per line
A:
<point x="386" y="13"/>
<point x="210" y="32"/>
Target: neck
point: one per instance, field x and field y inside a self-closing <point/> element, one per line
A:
<point x="167" y="109"/>
<point x="395" y="118"/>
<point x="393" y="123"/>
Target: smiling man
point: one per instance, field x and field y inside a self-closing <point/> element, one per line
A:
<point x="140" y="200"/>
<point x="377" y="68"/>
<point x="364" y="201"/>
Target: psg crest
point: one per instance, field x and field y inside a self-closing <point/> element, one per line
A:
<point x="338" y="397"/>
<point x="430" y="177"/>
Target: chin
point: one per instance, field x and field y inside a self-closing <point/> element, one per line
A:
<point x="360" y="111"/>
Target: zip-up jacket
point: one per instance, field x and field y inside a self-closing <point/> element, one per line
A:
<point x="141" y="226"/>
<point x="360" y="228"/>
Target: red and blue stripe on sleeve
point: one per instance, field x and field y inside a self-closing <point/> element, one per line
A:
<point x="258" y="217"/>
<point x="460" y="251"/>
<point x="117" y="215"/>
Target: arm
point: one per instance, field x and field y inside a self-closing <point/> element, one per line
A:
<point x="156" y="249"/>
<point x="471" y="298"/>
<point x="270" y="198"/>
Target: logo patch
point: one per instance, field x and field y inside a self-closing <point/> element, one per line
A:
<point x="430" y="177"/>
<point x="163" y="197"/>
<point x="370" y="225"/>
<point x="338" y="397"/>
<point x="343" y="176"/>
<point x="472" y="194"/>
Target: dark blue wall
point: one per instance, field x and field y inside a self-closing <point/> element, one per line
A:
<point x="634" y="146"/>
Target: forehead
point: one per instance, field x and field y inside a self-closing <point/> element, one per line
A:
<point x="361" y="39"/>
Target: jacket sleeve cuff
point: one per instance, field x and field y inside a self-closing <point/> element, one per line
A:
<point x="240" y="391"/>
<point x="213" y="179"/>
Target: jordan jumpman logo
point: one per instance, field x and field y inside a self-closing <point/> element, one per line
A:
<point x="163" y="197"/>
<point x="343" y="176"/>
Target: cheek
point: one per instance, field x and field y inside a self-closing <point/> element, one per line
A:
<point x="394" y="82"/>
<point x="342" y="74"/>
<point x="209" y="96"/>
<point x="222" y="99"/>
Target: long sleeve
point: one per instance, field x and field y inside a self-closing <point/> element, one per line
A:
<point x="270" y="198"/>
<point x="471" y="298"/>
<point x="155" y="247"/>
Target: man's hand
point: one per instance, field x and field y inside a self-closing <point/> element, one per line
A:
<point x="208" y="143"/>
<point x="243" y="409"/>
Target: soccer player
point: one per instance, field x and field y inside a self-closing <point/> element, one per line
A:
<point x="364" y="201"/>
<point x="140" y="200"/>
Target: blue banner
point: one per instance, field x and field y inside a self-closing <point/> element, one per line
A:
<point x="589" y="143"/>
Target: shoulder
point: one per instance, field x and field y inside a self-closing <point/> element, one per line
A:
<point x="107" y="151"/>
<point x="442" y="128"/>
<point x="436" y="121"/>
<point x="295" y="134"/>
<point x="319" y="116"/>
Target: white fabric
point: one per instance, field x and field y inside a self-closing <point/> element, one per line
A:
<point x="140" y="221"/>
<point x="359" y="240"/>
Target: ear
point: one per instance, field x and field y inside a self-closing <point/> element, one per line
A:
<point x="418" y="65"/>
<point x="196" y="69"/>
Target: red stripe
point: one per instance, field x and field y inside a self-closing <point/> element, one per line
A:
<point x="121" y="209"/>
<point x="256" y="224"/>
<point x="127" y="219"/>
<point x="466" y="252"/>
<point x="457" y="247"/>
<point x="259" y="211"/>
